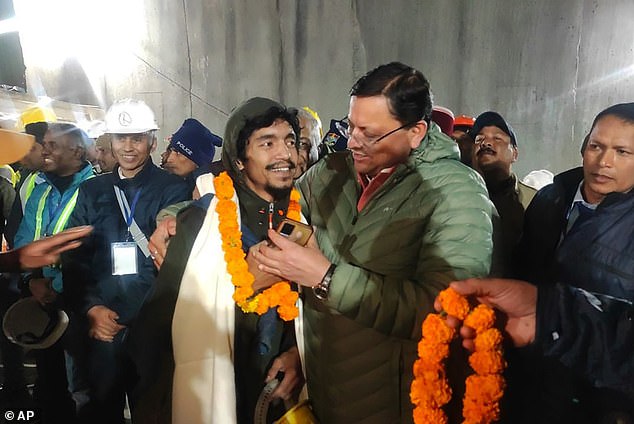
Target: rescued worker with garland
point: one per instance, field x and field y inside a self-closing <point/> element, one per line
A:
<point x="194" y="347"/>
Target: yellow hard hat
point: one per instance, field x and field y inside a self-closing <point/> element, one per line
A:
<point x="14" y="146"/>
<point x="36" y="113"/>
<point x="316" y="116"/>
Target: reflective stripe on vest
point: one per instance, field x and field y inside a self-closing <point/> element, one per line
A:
<point x="26" y="189"/>
<point x="63" y="217"/>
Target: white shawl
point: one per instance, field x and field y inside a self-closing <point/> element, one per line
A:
<point x="202" y="333"/>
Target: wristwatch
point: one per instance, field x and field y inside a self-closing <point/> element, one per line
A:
<point x="322" y="289"/>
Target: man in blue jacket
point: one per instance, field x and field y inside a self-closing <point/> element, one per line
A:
<point x="112" y="272"/>
<point x="46" y="213"/>
<point x="579" y="231"/>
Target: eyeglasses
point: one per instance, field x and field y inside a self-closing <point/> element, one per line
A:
<point x="369" y="141"/>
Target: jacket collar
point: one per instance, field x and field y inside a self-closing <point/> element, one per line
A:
<point x="141" y="178"/>
<point x="254" y="210"/>
<point x="571" y="179"/>
<point x="78" y="177"/>
<point x="435" y="145"/>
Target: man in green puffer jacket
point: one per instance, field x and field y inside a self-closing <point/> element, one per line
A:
<point x="396" y="218"/>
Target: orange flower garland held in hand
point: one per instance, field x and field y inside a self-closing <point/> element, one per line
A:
<point x="430" y="390"/>
<point x="279" y="294"/>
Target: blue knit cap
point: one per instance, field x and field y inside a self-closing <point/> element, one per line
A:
<point x="196" y="142"/>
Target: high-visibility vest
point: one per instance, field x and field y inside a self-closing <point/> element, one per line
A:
<point x="61" y="220"/>
<point x="27" y="188"/>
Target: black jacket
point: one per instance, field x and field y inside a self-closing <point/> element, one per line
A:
<point x="87" y="271"/>
<point x="598" y="257"/>
<point x="590" y="333"/>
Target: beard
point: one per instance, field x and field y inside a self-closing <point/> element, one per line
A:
<point x="279" y="193"/>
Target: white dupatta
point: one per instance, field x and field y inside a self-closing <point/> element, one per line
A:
<point x="202" y="333"/>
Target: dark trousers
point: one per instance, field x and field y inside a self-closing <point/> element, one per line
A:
<point x="14" y="384"/>
<point x="52" y="388"/>
<point x="111" y="377"/>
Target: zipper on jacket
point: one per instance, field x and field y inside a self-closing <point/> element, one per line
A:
<point x="271" y="209"/>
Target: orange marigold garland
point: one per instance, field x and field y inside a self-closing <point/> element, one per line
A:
<point x="485" y="388"/>
<point x="430" y="390"/>
<point x="279" y="294"/>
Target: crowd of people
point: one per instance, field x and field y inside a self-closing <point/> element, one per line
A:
<point x="133" y="265"/>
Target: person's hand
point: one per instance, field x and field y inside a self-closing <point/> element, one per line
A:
<point x="263" y="279"/>
<point x="103" y="323"/>
<point x="47" y="250"/>
<point x="160" y="239"/>
<point x="42" y="290"/>
<point x="516" y="299"/>
<point x="305" y="265"/>
<point x="289" y="364"/>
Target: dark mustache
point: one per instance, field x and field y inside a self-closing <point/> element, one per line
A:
<point x="288" y="163"/>
<point x="486" y="150"/>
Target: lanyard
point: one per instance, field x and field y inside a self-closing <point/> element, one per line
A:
<point x="128" y="211"/>
<point x="128" y="215"/>
<point x="65" y="207"/>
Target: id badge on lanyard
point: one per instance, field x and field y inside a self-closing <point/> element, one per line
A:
<point x="124" y="258"/>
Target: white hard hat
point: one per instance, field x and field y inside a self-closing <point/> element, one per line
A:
<point x="129" y="116"/>
<point x="538" y="178"/>
<point x="94" y="129"/>
<point x="30" y="325"/>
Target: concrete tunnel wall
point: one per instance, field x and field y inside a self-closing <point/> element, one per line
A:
<point x="548" y="66"/>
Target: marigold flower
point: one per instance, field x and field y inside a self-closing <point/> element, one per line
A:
<point x="233" y="255"/>
<point x="242" y="293"/>
<point x="436" y="329"/>
<point x="431" y="388"/>
<point x="223" y="184"/>
<point x="488" y="388"/>
<point x="433" y="352"/>
<point x="490" y="339"/>
<point x="226" y="209"/>
<point x="422" y="365"/>
<point x="453" y="303"/>
<point x="481" y="318"/>
<point x="237" y="270"/>
<point x="295" y="196"/>
<point x="424" y="415"/>
<point x="250" y="305"/>
<point x="288" y="312"/>
<point x="487" y="362"/>
<point x="439" y="391"/>
<point x="274" y="294"/>
<point x="263" y="305"/>
<point x="476" y="412"/>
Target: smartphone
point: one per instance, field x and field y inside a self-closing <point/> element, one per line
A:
<point x="295" y="230"/>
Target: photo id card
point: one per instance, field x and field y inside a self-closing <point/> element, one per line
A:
<point x="124" y="258"/>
